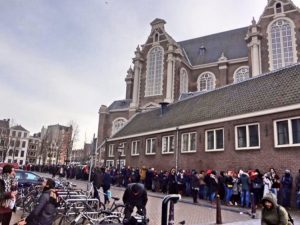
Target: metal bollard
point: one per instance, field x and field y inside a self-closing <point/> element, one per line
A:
<point x="165" y="211"/>
<point x="253" y="206"/>
<point x="218" y="208"/>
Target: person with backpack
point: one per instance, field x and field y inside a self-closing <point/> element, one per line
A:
<point x="272" y="213"/>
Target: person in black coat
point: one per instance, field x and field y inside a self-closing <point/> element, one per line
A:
<point x="172" y="182"/>
<point x="135" y="195"/>
<point x="45" y="211"/>
<point x="106" y="184"/>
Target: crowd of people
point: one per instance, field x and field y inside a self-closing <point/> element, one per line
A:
<point x="233" y="187"/>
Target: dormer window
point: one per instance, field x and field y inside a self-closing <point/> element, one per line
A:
<point x="202" y="50"/>
<point x="278" y="8"/>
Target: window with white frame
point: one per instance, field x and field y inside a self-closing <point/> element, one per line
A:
<point x="241" y="74"/>
<point x="287" y="132"/>
<point x="214" y="140"/>
<point x="188" y="142"/>
<point x="154" y="72"/>
<point x="109" y="163"/>
<point x="247" y="136"/>
<point x="168" y="144"/>
<point x="111" y="150"/>
<point x="135" y="145"/>
<point x="118" y="124"/>
<point x="151" y="146"/>
<point x="121" y="148"/>
<point x="122" y="163"/>
<point x="282" y="43"/>
<point x="206" y="81"/>
<point x="184" y="81"/>
<point x="278" y="8"/>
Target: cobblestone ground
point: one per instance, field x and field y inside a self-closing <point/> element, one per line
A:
<point x="201" y="214"/>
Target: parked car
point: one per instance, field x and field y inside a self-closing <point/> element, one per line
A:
<point x="28" y="178"/>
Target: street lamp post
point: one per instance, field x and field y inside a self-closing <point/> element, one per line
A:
<point x="120" y="151"/>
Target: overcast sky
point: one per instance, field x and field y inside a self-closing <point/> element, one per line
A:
<point x="61" y="59"/>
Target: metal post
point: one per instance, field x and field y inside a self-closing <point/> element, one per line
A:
<point x="218" y="213"/>
<point x="164" y="213"/>
<point x="253" y="206"/>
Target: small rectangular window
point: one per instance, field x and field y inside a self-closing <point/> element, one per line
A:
<point x="135" y="145"/>
<point x="214" y="140"/>
<point x="287" y="132"/>
<point x="23" y="144"/>
<point x="19" y="134"/>
<point x="247" y="137"/>
<point x="150" y="146"/>
<point x="188" y="142"/>
<point x="109" y="163"/>
<point x="22" y="153"/>
<point x="111" y="150"/>
<point x="168" y="144"/>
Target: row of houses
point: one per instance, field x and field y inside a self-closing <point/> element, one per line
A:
<point x="50" y="146"/>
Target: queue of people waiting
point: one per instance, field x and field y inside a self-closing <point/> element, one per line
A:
<point x="234" y="188"/>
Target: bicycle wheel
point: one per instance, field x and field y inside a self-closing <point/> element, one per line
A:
<point x="110" y="219"/>
<point x="29" y="203"/>
<point x="119" y="209"/>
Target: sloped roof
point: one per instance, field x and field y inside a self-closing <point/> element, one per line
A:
<point x="120" y="104"/>
<point x="232" y="43"/>
<point x="18" y="127"/>
<point x="268" y="91"/>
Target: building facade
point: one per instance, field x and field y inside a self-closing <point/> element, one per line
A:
<point x="18" y="145"/>
<point x="212" y="101"/>
<point x="4" y="138"/>
<point x="56" y="144"/>
<point x="34" y="149"/>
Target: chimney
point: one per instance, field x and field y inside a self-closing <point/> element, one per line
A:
<point x="163" y="107"/>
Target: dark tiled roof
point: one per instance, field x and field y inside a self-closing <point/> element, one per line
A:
<point x="18" y="127"/>
<point x="120" y="104"/>
<point x="268" y="91"/>
<point x="232" y="43"/>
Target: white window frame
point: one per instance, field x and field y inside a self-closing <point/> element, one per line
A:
<point x="281" y="5"/>
<point x="184" y="81"/>
<point x="189" y="142"/>
<point x="215" y="140"/>
<point x="111" y="150"/>
<point x="247" y="137"/>
<point x="270" y="48"/>
<point x="134" y="148"/>
<point x="168" y="144"/>
<point x="109" y="162"/>
<point x="290" y="133"/>
<point x="121" y="160"/>
<point x="213" y="81"/>
<point x="122" y="145"/>
<point x="236" y="73"/>
<point x="114" y="123"/>
<point x="153" y="144"/>
<point x="150" y="90"/>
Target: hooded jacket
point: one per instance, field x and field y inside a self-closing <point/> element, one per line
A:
<point x="277" y="215"/>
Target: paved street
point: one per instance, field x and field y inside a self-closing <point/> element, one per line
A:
<point x="200" y="214"/>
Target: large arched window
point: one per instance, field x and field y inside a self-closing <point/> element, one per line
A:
<point x="184" y="81"/>
<point x="206" y="81"/>
<point x="118" y="124"/>
<point x="154" y="72"/>
<point x="282" y="45"/>
<point x="241" y="74"/>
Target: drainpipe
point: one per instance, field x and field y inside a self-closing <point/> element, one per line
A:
<point x="177" y="149"/>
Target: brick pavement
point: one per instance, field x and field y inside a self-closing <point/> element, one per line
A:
<point x="201" y="214"/>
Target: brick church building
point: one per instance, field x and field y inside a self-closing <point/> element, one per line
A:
<point x="224" y="101"/>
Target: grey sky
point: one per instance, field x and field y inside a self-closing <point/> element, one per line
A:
<point x="61" y="59"/>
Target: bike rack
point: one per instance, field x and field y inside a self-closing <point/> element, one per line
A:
<point x="172" y="199"/>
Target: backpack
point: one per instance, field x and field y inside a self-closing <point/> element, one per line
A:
<point x="290" y="218"/>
